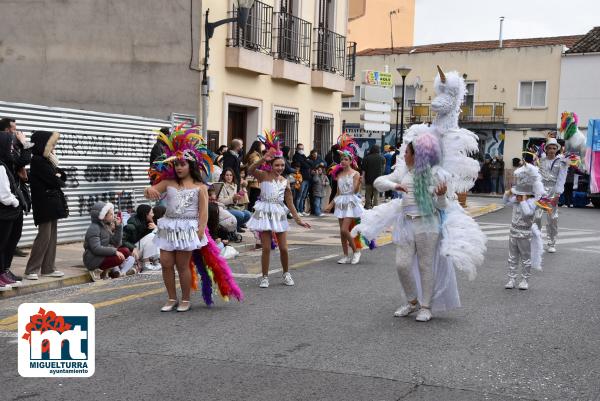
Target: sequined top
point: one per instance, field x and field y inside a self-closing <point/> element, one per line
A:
<point x="522" y="216"/>
<point x="273" y="191"/>
<point x="554" y="173"/>
<point x="346" y="184"/>
<point x="182" y="203"/>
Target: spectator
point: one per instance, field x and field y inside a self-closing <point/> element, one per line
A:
<point x="486" y="174"/>
<point x="288" y="165"/>
<point x="158" y="212"/>
<point x="232" y="159"/>
<point x="254" y="154"/>
<point x="222" y="150"/>
<point x="500" y="180"/>
<point x="315" y="159"/>
<point x="12" y="204"/>
<point x="295" y="180"/>
<point x="232" y="199"/>
<point x="157" y="149"/>
<point x="305" y="167"/>
<point x="138" y="237"/>
<point x="20" y="157"/>
<point x="332" y="158"/>
<point x="494" y="171"/>
<point x="49" y="204"/>
<point x="319" y="184"/>
<point x="373" y="166"/>
<point x="103" y="248"/>
<point x="227" y="223"/>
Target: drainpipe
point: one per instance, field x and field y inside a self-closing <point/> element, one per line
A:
<point x="501" y="23"/>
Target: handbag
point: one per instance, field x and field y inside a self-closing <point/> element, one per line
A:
<point x="61" y="198"/>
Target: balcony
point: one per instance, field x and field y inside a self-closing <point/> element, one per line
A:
<point x="329" y="58"/>
<point x="350" y="69"/>
<point x="292" y="37"/>
<point x="478" y="113"/>
<point x="249" y="49"/>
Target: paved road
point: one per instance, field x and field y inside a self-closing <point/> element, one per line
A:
<point x="333" y="337"/>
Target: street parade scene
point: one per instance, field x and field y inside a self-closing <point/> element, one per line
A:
<point x="300" y="200"/>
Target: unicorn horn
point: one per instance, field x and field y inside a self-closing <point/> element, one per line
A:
<point x="442" y="76"/>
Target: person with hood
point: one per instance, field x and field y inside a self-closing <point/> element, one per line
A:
<point x="49" y="204"/>
<point x="138" y="237"/>
<point x="103" y="248"/>
<point x="12" y="205"/>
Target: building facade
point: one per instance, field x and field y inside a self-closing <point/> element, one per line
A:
<point x="381" y="23"/>
<point x="513" y="90"/>
<point x="580" y="79"/>
<point x="286" y="70"/>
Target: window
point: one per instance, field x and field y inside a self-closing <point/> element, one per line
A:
<point x="323" y="134"/>
<point x="470" y="95"/>
<point x="410" y="94"/>
<point x="354" y="101"/>
<point x="532" y="94"/>
<point x="286" y="123"/>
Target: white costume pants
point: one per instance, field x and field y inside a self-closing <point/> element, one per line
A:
<point x="148" y="250"/>
<point x="519" y="250"/>
<point x="424" y="246"/>
<point x="551" y="223"/>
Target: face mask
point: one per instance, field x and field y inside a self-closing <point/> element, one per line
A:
<point x="301" y="151"/>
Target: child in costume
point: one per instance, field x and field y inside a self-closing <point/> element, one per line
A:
<point x="270" y="211"/>
<point x="182" y="235"/>
<point x="553" y="169"/>
<point x="525" y="239"/>
<point x="348" y="204"/>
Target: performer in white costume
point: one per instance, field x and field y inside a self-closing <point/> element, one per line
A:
<point x="553" y="169"/>
<point x="461" y="243"/>
<point x="525" y="245"/>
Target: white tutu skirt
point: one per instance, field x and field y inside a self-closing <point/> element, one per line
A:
<point x="269" y="216"/>
<point x="178" y="235"/>
<point x="348" y="206"/>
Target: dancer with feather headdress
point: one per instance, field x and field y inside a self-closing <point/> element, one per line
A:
<point x="270" y="211"/>
<point x="460" y="243"/>
<point x="182" y="236"/>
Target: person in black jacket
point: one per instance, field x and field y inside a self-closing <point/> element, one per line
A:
<point x="11" y="215"/>
<point x="49" y="204"/>
<point x="233" y="158"/>
<point x="305" y="167"/>
<point x="138" y="237"/>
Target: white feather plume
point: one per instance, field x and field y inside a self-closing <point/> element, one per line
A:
<point x="537" y="247"/>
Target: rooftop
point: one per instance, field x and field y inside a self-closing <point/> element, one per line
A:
<point x="589" y="43"/>
<point x="567" y="41"/>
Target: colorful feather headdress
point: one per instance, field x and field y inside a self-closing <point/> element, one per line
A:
<point x="568" y="124"/>
<point x="181" y="144"/>
<point x="347" y="147"/>
<point x="272" y="142"/>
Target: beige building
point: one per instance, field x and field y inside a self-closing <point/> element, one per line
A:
<point x="286" y="71"/>
<point x="512" y="96"/>
<point x="376" y="24"/>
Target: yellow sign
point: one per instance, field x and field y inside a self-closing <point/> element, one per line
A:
<point x="377" y="78"/>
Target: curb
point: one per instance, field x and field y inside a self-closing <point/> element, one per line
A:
<point x="493" y="207"/>
<point x="49" y="285"/>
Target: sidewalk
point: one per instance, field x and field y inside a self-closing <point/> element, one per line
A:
<point x="69" y="256"/>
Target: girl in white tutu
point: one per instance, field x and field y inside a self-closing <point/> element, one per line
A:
<point x="270" y="211"/>
<point x="348" y="204"/>
<point x="182" y="230"/>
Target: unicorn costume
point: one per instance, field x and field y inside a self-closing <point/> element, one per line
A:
<point x="270" y="211"/>
<point x="447" y="238"/>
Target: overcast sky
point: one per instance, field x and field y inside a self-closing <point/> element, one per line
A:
<point x="439" y="21"/>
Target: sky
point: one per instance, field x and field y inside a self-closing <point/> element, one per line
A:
<point x="439" y="21"/>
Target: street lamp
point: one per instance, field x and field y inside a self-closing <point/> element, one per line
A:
<point x="397" y="99"/>
<point x="403" y="71"/>
<point x="243" y="11"/>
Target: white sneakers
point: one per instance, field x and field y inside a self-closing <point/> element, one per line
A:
<point x="551" y="249"/>
<point x="31" y="276"/>
<point x="424" y="315"/>
<point x="152" y="266"/>
<point x="406" y="310"/>
<point x="523" y="285"/>
<point x="264" y="282"/>
<point x="352" y="260"/>
<point x="287" y="279"/>
<point x="511" y="284"/>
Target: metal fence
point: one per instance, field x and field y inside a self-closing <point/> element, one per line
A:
<point x="105" y="157"/>
<point x="330" y="51"/>
<point x="286" y="123"/>
<point x="292" y="36"/>
<point x="323" y="134"/>
<point x="351" y="61"/>
<point x="257" y="34"/>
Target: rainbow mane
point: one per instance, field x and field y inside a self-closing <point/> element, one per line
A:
<point x="568" y="124"/>
<point x="180" y="144"/>
<point x="271" y="140"/>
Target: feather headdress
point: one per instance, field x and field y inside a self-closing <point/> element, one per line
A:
<point x="181" y="144"/>
<point x="272" y="142"/>
<point x="528" y="181"/>
<point x="568" y="124"/>
<point x="347" y="147"/>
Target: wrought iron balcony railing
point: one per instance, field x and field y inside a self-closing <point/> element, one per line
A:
<point x="351" y="61"/>
<point x="257" y="35"/>
<point x="292" y="36"/>
<point x="329" y="51"/>
<point x="478" y="112"/>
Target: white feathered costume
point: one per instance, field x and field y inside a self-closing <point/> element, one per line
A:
<point x="462" y="244"/>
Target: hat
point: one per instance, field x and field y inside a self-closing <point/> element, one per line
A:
<point x="552" y="142"/>
<point x="528" y="181"/>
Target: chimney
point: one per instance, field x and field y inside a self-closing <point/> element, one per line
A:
<point x="501" y="23"/>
